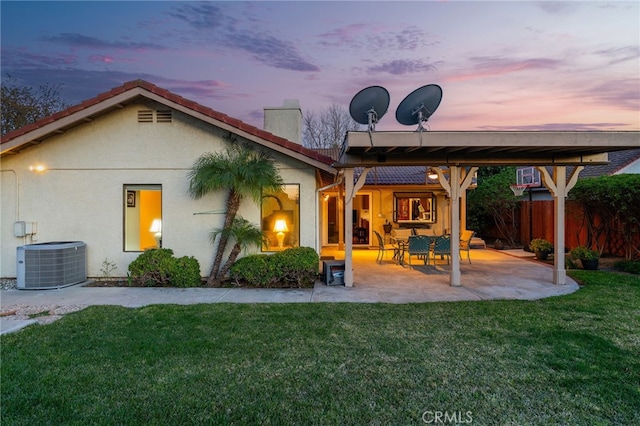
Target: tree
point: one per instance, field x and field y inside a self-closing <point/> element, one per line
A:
<point x="327" y="128"/>
<point x="493" y="197"/>
<point x="244" y="233"/>
<point x="22" y="105"/>
<point x="240" y="171"/>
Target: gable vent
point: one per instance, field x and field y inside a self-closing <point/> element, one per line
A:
<point x="145" y="116"/>
<point x="163" y="116"/>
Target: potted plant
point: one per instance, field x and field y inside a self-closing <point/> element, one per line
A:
<point x="588" y="258"/>
<point x="386" y="227"/>
<point x="541" y="248"/>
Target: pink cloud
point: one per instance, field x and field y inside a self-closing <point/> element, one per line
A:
<point x="494" y="67"/>
<point x="101" y="58"/>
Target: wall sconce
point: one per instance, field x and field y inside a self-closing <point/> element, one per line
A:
<point x="325" y="197"/>
<point x="156" y="227"/>
<point x="38" y="168"/>
<point x="280" y="227"/>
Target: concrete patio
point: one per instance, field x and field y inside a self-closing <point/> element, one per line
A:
<point x="492" y="275"/>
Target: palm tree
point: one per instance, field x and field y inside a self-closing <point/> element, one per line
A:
<point x="240" y="171"/>
<point x="244" y="233"/>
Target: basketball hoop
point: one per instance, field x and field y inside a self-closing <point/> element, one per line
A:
<point x="518" y="190"/>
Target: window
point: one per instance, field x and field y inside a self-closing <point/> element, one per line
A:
<point x="142" y="217"/>
<point x="280" y="218"/>
<point x="419" y="207"/>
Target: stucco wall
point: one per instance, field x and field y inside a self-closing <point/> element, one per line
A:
<point x="80" y="195"/>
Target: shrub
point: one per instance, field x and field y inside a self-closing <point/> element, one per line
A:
<point x="254" y="270"/>
<point x="296" y="266"/>
<point x="630" y="266"/>
<point x="158" y="267"/>
<point x="185" y="272"/>
<point x="299" y="264"/>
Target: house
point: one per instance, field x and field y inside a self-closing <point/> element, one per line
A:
<point x="620" y="162"/>
<point x="113" y="172"/>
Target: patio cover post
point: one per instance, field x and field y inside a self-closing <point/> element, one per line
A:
<point x="348" y="228"/>
<point x="455" y="188"/>
<point x="350" y="191"/>
<point x="559" y="188"/>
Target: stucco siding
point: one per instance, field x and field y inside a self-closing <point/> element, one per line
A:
<point x="79" y="196"/>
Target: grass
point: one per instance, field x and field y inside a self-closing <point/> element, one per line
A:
<point x="566" y="360"/>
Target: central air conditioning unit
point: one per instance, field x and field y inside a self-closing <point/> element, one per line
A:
<point x="51" y="265"/>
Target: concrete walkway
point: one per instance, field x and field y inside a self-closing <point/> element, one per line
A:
<point x="492" y="275"/>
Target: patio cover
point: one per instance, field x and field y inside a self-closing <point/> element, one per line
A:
<point x="463" y="152"/>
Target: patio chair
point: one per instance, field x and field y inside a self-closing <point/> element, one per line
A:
<point x="465" y="243"/>
<point x="442" y="247"/>
<point x="382" y="248"/>
<point x="419" y="245"/>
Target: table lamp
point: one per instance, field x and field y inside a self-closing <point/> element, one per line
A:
<point x="280" y="227"/>
<point x="156" y="227"/>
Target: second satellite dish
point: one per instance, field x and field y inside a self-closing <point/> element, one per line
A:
<point x="419" y="105"/>
<point x="369" y="105"/>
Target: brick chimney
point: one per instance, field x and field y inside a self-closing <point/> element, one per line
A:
<point x="285" y="121"/>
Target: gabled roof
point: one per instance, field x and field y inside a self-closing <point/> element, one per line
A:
<point x="133" y="91"/>
<point x="617" y="161"/>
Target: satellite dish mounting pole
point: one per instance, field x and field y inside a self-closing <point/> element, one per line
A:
<point x="372" y="118"/>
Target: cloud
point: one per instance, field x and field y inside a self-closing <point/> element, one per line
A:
<point x="340" y="36"/>
<point x="225" y="31"/>
<point x="271" y="51"/>
<point x="79" y="40"/>
<point x="620" y="54"/>
<point x="370" y="38"/>
<point x="489" y="67"/>
<point x="402" y="66"/>
<point x="556" y="7"/>
<point x="557" y="127"/>
<point x="203" y="16"/>
<point x="79" y="85"/>
<point x="410" y="38"/>
<point x="20" y="58"/>
<point x="616" y="94"/>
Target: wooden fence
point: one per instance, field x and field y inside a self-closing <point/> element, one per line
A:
<point x="536" y="221"/>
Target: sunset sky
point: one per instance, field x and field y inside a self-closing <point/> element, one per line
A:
<point x="505" y="65"/>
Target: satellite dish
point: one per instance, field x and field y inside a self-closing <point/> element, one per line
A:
<point x="369" y="105"/>
<point x="419" y="105"/>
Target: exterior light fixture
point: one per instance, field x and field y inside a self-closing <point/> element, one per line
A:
<point x="432" y="175"/>
<point x="37" y="168"/>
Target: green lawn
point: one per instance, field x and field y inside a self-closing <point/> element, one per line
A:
<point x="567" y="360"/>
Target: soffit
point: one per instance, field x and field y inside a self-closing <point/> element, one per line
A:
<point x="364" y="149"/>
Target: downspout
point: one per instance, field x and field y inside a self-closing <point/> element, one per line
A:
<point x="318" y="215"/>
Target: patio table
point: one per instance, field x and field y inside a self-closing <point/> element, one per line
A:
<point x="401" y="247"/>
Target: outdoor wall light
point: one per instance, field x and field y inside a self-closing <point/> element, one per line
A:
<point x="280" y="227"/>
<point x="39" y="168"/>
